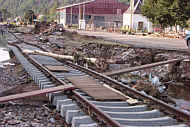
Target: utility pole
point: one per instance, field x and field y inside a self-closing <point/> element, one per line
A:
<point x="131" y="12"/>
<point x="84" y="11"/>
<point x="71" y="18"/>
<point x="71" y="15"/>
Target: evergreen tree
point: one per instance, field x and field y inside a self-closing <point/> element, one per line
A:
<point x="167" y="12"/>
<point x="5" y="14"/>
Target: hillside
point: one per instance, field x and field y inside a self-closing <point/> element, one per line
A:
<point x="47" y="7"/>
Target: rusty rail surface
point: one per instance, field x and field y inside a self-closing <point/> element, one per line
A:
<point x="36" y="92"/>
<point x="131" y="69"/>
<point x="172" y="110"/>
<point x="106" y="118"/>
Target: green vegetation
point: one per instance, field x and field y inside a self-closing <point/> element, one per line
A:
<point x="19" y="7"/>
<point x="167" y="12"/>
<point x="5" y="14"/>
<point x="44" y="7"/>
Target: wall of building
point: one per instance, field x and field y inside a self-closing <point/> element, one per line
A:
<point x="136" y="18"/>
<point x="108" y="21"/>
<point x="62" y="17"/>
<point x="100" y="13"/>
<point x="100" y="7"/>
<point x="97" y="20"/>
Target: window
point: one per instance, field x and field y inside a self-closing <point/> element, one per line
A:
<point x="140" y="25"/>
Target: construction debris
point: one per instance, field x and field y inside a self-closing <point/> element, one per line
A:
<point x="47" y="28"/>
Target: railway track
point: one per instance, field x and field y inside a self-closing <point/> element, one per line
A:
<point x="81" y="110"/>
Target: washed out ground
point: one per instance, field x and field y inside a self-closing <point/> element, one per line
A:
<point x="174" y="78"/>
<point x="33" y="111"/>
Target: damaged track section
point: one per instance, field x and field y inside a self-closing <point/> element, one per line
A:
<point x="44" y="82"/>
<point x="112" y="113"/>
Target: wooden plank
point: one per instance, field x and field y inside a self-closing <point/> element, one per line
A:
<point x="37" y="92"/>
<point x="58" y="68"/>
<point x="82" y="80"/>
<point x="141" y="67"/>
<point x="95" y="89"/>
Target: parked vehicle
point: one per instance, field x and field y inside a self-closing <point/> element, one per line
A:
<point x="187" y="38"/>
<point x="60" y="28"/>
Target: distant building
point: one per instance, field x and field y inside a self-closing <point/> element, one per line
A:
<point x="94" y="13"/>
<point x="134" y="19"/>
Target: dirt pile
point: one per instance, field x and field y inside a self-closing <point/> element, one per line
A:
<point x="47" y="28"/>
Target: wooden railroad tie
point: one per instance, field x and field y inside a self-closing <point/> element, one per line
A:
<point x="37" y="92"/>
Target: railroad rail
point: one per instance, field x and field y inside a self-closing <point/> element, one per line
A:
<point x="85" y="111"/>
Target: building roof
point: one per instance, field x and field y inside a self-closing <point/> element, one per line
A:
<point x="137" y="7"/>
<point x="76" y="4"/>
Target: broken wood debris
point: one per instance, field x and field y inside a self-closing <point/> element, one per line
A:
<point x="37" y="92"/>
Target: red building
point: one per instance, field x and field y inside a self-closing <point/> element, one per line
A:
<point x="93" y="13"/>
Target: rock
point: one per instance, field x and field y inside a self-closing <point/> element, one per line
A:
<point x="6" y="118"/>
<point x="50" y="125"/>
<point x="46" y="113"/>
<point x="57" y="116"/>
<point x="13" y="122"/>
<point x="2" y="105"/>
<point x="52" y="120"/>
<point x="34" y="124"/>
<point x="19" y="118"/>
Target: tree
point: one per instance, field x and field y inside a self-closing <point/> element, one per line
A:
<point x="29" y="16"/>
<point x="148" y="9"/>
<point x="180" y="10"/>
<point x="167" y="12"/>
<point x="5" y="14"/>
<point x="188" y="24"/>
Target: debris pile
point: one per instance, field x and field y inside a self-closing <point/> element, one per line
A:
<point x="136" y="57"/>
<point x="26" y="115"/>
<point x="47" y="28"/>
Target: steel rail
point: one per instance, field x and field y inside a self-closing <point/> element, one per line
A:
<point x="106" y="118"/>
<point x="180" y="114"/>
<point x="172" y="110"/>
<point x="142" y="67"/>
